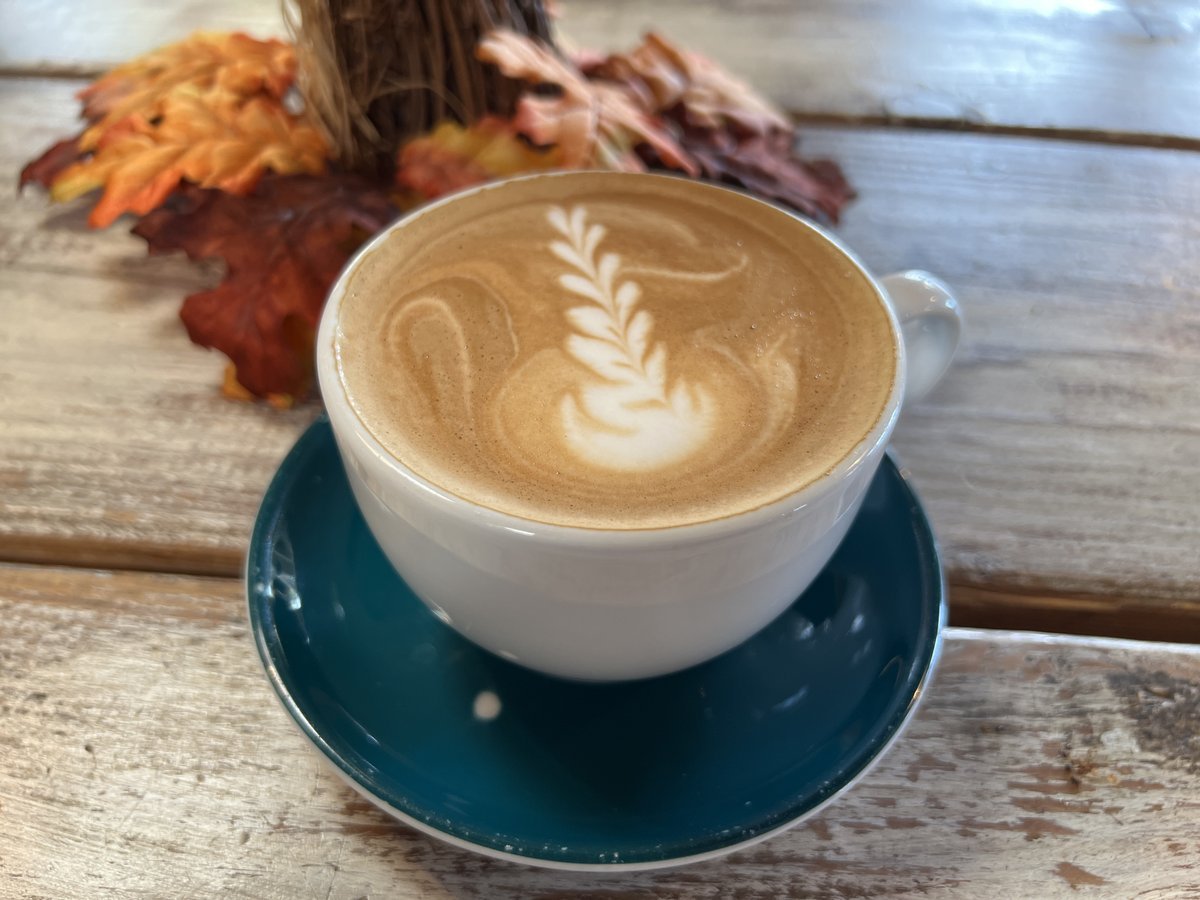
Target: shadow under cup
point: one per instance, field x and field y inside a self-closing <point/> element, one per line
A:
<point x="588" y="603"/>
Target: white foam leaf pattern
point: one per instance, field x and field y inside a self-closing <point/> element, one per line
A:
<point x="605" y="272"/>
<point x="577" y="284"/>
<point x="577" y="218"/>
<point x="594" y="236"/>
<point x="626" y="417"/>
<point x="558" y="218"/>
<point x="601" y="357"/>
<point x="628" y="295"/>
<point x="656" y="364"/>
<point x="592" y="321"/>
<point x="639" y="333"/>
<point x="567" y="254"/>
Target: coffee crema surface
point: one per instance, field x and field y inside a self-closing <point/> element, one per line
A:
<point x="614" y="352"/>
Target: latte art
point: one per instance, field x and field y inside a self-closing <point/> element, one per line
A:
<point x="626" y="416"/>
<point x="610" y="352"/>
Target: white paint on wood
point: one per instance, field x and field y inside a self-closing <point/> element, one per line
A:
<point x="144" y="755"/>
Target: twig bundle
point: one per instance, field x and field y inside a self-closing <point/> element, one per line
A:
<point x="376" y="72"/>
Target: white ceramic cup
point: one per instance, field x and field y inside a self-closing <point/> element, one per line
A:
<point x="607" y="605"/>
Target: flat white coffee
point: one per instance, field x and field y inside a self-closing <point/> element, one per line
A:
<point x="613" y="351"/>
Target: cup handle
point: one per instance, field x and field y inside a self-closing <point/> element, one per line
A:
<point x="931" y="322"/>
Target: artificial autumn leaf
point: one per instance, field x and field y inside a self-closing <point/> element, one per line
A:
<point x="733" y="133"/>
<point x="283" y="246"/>
<point x="208" y="109"/>
<point x="706" y="94"/>
<point x="593" y="124"/>
<point x="452" y="157"/>
<point x="139" y="162"/>
<point x="232" y="389"/>
<point x="47" y="167"/>
<point x="766" y="165"/>
<point x="224" y="68"/>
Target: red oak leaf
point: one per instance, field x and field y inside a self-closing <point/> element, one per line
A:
<point x="283" y="246"/>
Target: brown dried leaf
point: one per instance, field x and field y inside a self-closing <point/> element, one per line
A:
<point x="767" y="165"/>
<point x="734" y="134"/>
<point x="705" y="94"/>
<point x="283" y="246"/>
<point x="593" y="124"/>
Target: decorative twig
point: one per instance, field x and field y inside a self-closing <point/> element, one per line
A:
<point x="376" y="72"/>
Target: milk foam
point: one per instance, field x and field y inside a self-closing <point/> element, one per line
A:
<point x="612" y="352"/>
<point x="626" y="415"/>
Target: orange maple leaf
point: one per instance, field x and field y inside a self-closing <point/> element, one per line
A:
<point x="207" y="110"/>
<point x="452" y="157"/>
<point x="591" y="123"/>
<point x="140" y="161"/>
<point x="225" y="68"/>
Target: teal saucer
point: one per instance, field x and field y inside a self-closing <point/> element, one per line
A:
<point x="490" y="756"/>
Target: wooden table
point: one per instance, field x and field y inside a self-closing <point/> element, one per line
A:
<point x="1041" y="156"/>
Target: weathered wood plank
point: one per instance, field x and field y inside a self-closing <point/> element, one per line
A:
<point x="144" y="756"/>
<point x="1055" y="461"/>
<point x="1126" y="70"/>
<point x="117" y="449"/>
<point x="1056" y="456"/>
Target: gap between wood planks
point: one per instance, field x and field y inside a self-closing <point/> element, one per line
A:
<point x="1044" y="132"/>
<point x="801" y="118"/>
<point x="972" y="605"/>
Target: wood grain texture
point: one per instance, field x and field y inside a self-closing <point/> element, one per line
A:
<point x="143" y="755"/>
<point x="1121" y="69"/>
<point x="1058" y="455"/>
<point x="1056" y="461"/>
<point x="116" y="448"/>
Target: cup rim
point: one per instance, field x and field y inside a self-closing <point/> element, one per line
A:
<point x="341" y="411"/>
